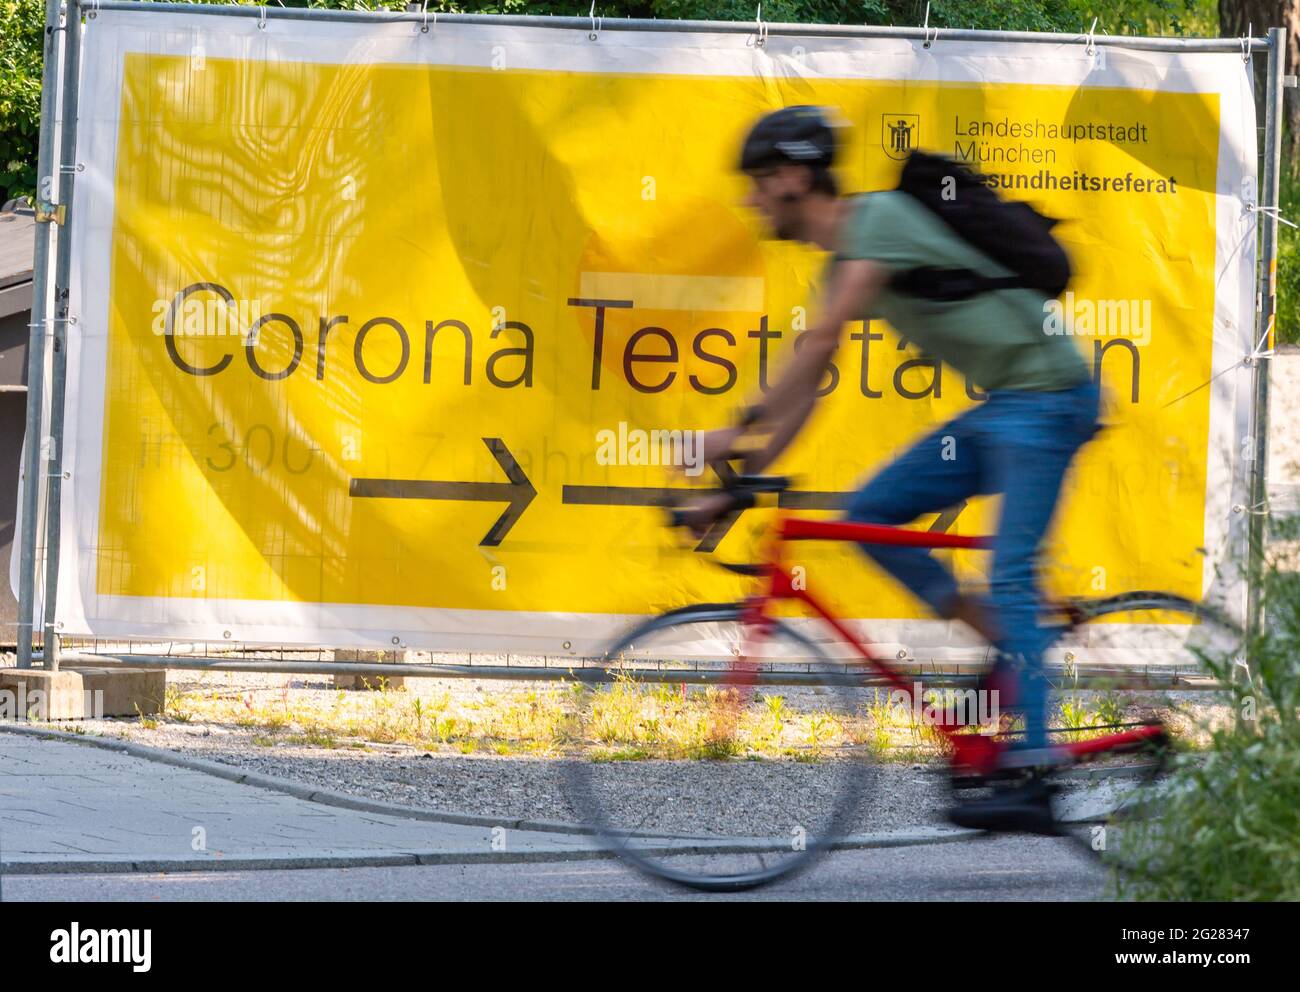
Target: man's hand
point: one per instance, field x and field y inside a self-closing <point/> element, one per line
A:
<point x="719" y="445"/>
<point x="715" y="446"/>
<point x="704" y="512"/>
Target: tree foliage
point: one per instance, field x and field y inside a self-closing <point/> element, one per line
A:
<point x="21" y="32"/>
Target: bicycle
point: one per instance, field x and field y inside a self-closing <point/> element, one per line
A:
<point x="634" y="792"/>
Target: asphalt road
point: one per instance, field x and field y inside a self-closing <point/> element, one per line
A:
<point x="981" y="870"/>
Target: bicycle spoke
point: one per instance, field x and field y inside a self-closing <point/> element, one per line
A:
<point x="1142" y="629"/>
<point x="720" y="757"/>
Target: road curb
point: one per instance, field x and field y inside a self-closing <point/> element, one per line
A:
<point x="916" y="837"/>
<point x="406" y="859"/>
<point x="410" y="859"/>
<point x="299" y="790"/>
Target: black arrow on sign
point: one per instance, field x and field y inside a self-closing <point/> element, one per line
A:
<point x="658" y="496"/>
<point x="807" y="499"/>
<point x="945" y="519"/>
<point x="647" y="496"/>
<point x="518" y="492"/>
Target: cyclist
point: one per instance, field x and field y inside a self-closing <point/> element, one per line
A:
<point x="1040" y="408"/>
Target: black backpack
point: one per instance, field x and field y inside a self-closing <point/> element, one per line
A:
<point x="1013" y="234"/>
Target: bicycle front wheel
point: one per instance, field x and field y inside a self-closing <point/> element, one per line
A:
<point x="716" y="755"/>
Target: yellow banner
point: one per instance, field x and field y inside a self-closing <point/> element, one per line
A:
<point x="411" y="335"/>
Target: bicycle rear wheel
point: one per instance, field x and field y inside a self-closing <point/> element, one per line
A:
<point x="1150" y="631"/>
<point x="717" y="757"/>
<point x="1113" y="807"/>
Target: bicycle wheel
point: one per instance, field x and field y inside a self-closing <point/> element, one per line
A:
<point x="1153" y="631"/>
<point x="714" y="757"/>
<point x="1113" y="808"/>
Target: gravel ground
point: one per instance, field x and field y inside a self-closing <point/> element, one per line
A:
<point x="738" y="796"/>
<point x="734" y="796"/>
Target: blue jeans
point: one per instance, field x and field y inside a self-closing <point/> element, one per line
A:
<point x="1019" y="444"/>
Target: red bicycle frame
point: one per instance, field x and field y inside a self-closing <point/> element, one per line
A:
<point x="971" y="753"/>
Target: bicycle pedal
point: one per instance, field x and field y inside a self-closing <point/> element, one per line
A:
<point x="992" y="780"/>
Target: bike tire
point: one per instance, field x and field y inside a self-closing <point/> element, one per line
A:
<point x="1114" y="832"/>
<point x="681" y="822"/>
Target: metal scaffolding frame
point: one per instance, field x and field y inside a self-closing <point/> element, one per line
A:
<point x="52" y="313"/>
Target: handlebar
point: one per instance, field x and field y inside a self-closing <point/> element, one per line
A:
<point x="744" y="490"/>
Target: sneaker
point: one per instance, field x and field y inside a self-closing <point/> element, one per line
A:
<point x="1025" y="808"/>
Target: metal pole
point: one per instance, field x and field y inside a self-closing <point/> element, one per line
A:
<point x="585" y="25"/>
<point x="62" y="321"/>
<point x="595" y="671"/>
<point x="33" y="461"/>
<point x="1264" y="332"/>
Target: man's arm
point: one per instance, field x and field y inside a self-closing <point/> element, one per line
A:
<point x="854" y="286"/>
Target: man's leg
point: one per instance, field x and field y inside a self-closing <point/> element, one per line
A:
<point x="1032" y="438"/>
<point x="1030" y="442"/>
<point x="937" y="472"/>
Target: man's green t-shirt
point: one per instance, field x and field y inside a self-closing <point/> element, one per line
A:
<point x="997" y="338"/>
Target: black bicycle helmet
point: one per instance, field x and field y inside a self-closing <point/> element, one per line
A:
<point x="801" y="135"/>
